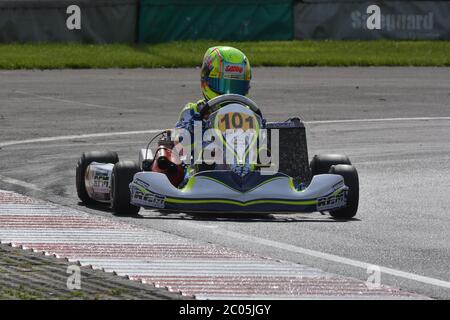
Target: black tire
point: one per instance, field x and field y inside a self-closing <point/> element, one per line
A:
<point x="122" y="175"/>
<point x="321" y="164"/>
<point x="86" y="159"/>
<point x="350" y="175"/>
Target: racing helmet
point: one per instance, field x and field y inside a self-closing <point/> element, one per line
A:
<point x="224" y="70"/>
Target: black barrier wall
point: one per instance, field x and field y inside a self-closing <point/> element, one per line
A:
<point x="357" y="20"/>
<point x="91" y="21"/>
<point x="118" y="21"/>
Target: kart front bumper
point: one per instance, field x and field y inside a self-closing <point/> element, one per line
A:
<point x="207" y="192"/>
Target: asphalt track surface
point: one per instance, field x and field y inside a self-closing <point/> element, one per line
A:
<point x="403" y="161"/>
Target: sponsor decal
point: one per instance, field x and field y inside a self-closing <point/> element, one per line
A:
<point x="338" y="185"/>
<point x="147" y="199"/>
<point x="332" y="202"/>
<point x="141" y="183"/>
<point x="234" y="69"/>
<point x="101" y="180"/>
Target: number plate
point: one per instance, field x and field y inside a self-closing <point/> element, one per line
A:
<point x="236" y="120"/>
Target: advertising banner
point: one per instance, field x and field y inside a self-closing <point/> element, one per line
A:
<point x="363" y="20"/>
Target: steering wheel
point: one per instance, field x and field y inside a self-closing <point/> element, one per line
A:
<point x="229" y="98"/>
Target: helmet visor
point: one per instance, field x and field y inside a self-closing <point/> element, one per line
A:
<point x="223" y="86"/>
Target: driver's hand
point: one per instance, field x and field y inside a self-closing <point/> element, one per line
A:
<point x="206" y="115"/>
<point x="196" y="116"/>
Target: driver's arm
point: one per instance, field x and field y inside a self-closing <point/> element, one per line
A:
<point x="185" y="118"/>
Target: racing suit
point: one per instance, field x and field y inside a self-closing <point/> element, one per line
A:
<point x="187" y="115"/>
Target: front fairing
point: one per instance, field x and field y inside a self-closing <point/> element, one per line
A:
<point x="225" y="191"/>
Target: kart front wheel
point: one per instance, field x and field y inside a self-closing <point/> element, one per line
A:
<point x="122" y="175"/>
<point x="350" y="175"/>
<point x="86" y="159"/>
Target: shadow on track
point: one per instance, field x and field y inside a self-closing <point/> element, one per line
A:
<point x="223" y="216"/>
<point x="244" y="218"/>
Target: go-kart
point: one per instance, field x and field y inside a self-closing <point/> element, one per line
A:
<point x="183" y="181"/>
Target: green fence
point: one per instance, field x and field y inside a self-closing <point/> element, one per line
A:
<point x="167" y="20"/>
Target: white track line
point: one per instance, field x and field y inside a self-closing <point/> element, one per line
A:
<point x="325" y="256"/>
<point x="19" y="183"/>
<point x="78" y="136"/>
<point x="377" y="120"/>
<point x="124" y="133"/>
<point x="65" y="100"/>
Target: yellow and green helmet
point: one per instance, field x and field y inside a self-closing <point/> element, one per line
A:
<point x="225" y="70"/>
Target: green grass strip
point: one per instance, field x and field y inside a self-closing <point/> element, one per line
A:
<point x="190" y="54"/>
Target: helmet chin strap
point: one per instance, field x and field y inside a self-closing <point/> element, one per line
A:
<point x="205" y="97"/>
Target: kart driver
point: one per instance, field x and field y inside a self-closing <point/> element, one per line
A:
<point x="224" y="70"/>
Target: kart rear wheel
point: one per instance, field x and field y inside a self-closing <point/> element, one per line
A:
<point x="86" y="159"/>
<point x="122" y="175"/>
<point x="350" y="175"/>
<point x="321" y="164"/>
